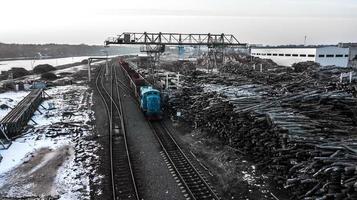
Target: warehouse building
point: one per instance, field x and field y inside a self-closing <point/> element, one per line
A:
<point x="353" y="52"/>
<point x="287" y="56"/>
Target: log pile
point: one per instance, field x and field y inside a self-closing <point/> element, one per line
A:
<point x="302" y="130"/>
<point x="183" y="67"/>
<point x="300" y="77"/>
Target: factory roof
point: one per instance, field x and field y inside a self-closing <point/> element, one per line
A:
<point x="293" y="47"/>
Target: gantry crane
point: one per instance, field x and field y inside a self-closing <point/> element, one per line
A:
<point x="154" y="43"/>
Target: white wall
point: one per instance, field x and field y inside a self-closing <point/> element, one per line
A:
<point x="285" y="56"/>
<point x="289" y="56"/>
<point x="332" y="56"/>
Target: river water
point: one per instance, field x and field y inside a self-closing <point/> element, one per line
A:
<point x="30" y="64"/>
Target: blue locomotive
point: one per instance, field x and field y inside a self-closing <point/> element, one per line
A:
<point x="148" y="97"/>
<point x="150" y="102"/>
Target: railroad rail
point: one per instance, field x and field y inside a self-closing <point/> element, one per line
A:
<point x="123" y="183"/>
<point x="196" y="184"/>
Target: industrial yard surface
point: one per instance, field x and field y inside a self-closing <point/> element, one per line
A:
<point x="178" y="100"/>
<point x="219" y="119"/>
<point x="56" y="156"/>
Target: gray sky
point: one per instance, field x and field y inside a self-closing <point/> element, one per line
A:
<point x="255" y="21"/>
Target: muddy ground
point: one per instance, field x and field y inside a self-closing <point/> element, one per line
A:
<point x="38" y="172"/>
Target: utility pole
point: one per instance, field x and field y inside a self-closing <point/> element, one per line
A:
<point x="106" y="62"/>
<point x="89" y="74"/>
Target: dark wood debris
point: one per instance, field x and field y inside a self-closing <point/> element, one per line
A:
<point x="297" y="124"/>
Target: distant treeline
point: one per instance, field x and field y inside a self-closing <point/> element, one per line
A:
<point x="57" y="50"/>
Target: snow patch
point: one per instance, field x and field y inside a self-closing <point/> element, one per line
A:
<point x="66" y="124"/>
<point x="29" y="64"/>
<point x="230" y="91"/>
<point x="20" y="149"/>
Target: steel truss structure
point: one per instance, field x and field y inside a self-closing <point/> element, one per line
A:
<point x="154" y="43"/>
<point x="210" y="40"/>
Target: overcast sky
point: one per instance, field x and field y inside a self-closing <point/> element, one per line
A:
<point x="256" y="21"/>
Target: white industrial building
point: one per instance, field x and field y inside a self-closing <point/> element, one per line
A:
<point x="287" y="56"/>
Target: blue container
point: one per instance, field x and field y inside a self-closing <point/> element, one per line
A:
<point x="39" y="85"/>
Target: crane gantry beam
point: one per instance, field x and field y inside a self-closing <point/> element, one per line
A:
<point x="210" y="40"/>
<point x="154" y="44"/>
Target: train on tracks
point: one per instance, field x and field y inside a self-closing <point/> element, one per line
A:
<point x="148" y="97"/>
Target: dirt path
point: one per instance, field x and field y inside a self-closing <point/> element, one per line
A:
<point x="36" y="176"/>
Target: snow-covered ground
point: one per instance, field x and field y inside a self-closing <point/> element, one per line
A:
<point x="72" y="69"/>
<point x="19" y="150"/>
<point x="57" y="148"/>
<point x="77" y="68"/>
<point x="30" y="64"/>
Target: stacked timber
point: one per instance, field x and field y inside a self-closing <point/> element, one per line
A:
<point x="17" y="118"/>
<point x="295" y="124"/>
<point x="181" y="66"/>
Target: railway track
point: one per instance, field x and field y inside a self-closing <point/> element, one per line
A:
<point x="195" y="183"/>
<point x="123" y="183"/>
